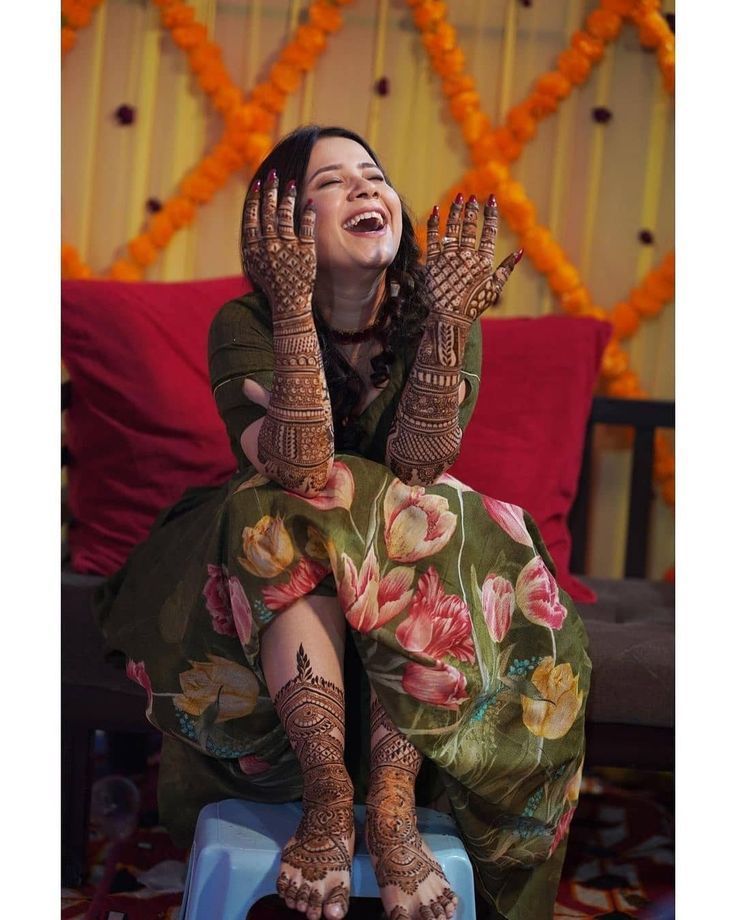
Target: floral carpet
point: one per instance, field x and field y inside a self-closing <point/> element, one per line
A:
<point x="620" y="859"/>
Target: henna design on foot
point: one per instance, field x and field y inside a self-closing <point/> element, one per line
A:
<point x="401" y="860"/>
<point x="312" y="711"/>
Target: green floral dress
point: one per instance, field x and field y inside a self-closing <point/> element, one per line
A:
<point x="476" y="655"/>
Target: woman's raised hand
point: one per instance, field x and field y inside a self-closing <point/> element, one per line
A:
<point x="282" y="264"/>
<point x="460" y="273"/>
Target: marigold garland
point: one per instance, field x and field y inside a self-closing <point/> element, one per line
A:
<point x="75" y="15"/>
<point x="249" y="124"/>
<point x="491" y="150"/>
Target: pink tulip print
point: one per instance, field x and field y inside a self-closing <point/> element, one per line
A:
<point x="438" y="623"/>
<point x="417" y="524"/>
<point x="338" y="492"/>
<point x="442" y="686"/>
<point x="368" y="600"/>
<point x="136" y="670"/>
<point x="227" y="604"/>
<point x="509" y="518"/>
<point x="538" y="596"/>
<point x="498" y="600"/>
<point x="305" y="576"/>
<point x="252" y="765"/>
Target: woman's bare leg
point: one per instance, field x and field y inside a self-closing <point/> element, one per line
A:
<point x="302" y="658"/>
<point x="413" y="886"/>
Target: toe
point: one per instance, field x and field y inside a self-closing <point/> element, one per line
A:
<point x="335" y="905"/>
<point x="291" y="893"/>
<point x="425" y="912"/>
<point x="314" y="905"/>
<point x="282" y="883"/>
<point x="302" y="896"/>
<point x="438" y="911"/>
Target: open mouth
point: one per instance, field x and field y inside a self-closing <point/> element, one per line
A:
<point x="367" y="222"/>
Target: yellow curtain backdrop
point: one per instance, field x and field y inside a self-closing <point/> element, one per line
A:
<point x="595" y="184"/>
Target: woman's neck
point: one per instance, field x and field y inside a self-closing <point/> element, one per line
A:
<point x="351" y="305"/>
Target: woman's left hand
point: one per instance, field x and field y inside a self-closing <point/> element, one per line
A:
<point x="460" y="275"/>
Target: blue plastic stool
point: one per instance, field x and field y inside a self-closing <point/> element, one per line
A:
<point x="237" y="847"/>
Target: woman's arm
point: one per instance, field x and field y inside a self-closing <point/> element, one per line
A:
<point x="425" y="437"/>
<point x="295" y="440"/>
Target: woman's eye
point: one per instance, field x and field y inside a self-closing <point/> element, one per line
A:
<point x="329" y="182"/>
<point x="378" y="177"/>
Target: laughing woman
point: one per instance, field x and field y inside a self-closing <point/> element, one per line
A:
<point x="345" y="383"/>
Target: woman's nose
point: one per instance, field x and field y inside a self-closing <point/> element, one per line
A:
<point x="363" y="188"/>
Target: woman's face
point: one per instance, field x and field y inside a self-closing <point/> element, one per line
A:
<point x="358" y="214"/>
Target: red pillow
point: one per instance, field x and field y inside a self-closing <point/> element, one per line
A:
<point x="524" y="443"/>
<point x="142" y="425"/>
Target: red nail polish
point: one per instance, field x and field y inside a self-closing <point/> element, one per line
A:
<point x="517" y="255"/>
<point x="291" y="185"/>
<point x="257" y="186"/>
<point x="271" y="176"/>
<point x="309" y="201"/>
<point x="492" y="201"/>
<point x="472" y="200"/>
<point x="459" y="198"/>
<point x="436" y="211"/>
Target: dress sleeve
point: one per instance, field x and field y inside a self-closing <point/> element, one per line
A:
<point x="240" y="346"/>
<point x="471" y="373"/>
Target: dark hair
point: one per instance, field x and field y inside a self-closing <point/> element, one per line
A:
<point x="404" y="309"/>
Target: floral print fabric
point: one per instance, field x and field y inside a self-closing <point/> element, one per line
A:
<point x="476" y="655"/>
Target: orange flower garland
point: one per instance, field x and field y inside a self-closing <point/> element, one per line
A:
<point x="492" y="149"/>
<point x="248" y="124"/>
<point x="75" y="15"/>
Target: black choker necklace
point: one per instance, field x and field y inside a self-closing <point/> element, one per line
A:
<point x="353" y="336"/>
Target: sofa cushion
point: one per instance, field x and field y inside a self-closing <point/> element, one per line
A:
<point x="632" y="647"/>
<point x="524" y="443"/>
<point x="142" y="425"/>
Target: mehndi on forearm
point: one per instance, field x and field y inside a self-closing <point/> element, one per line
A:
<point x="425" y="436"/>
<point x="296" y="440"/>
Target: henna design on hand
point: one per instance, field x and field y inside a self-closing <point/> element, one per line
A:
<point x="296" y="440"/>
<point x="312" y="711"/>
<point x="425" y="437"/>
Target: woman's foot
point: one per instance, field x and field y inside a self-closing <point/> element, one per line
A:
<point x="411" y="881"/>
<point x="315" y="863"/>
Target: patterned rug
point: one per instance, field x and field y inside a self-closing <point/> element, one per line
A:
<point x="620" y="859"/>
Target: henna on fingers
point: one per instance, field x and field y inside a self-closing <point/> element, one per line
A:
<point x="312" y="711"/>
<point x="296" y="441"/>
<point x="425" y="437"/>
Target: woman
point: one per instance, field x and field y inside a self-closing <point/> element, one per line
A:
<point x="345" y="385"/>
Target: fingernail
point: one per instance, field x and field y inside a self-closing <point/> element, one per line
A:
<point x="309" y="202"/>
<point x="517" y="255"/>
<point x="257" y="186"/>
<point x="459" y="198"/>
<point x="472" y="200"/>
<point x="271" y="176"/>
<point x="291" y="185"/>
<point x="436" y="211"/>
<point x="492" y="201"/>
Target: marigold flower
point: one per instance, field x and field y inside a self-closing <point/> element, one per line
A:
<point x="593" y="48"/>
<point x="203" y="55"/>
<point x="269" y="96"/>
<point x="614" y="360"/>
<point x="474" y="125"/>
<point x="181" y="211"/>
<point x="68" y="39"/>
<point x="197" y="187"/>
<point x="227" y="98"/>
<point x="625" y="319"/>
<point x="311" y="38"/>
<point x="76" y="15"/>
<point x="574" y="65"/>
<point x="463" y="103"/>
<point x="189" y="36"/>
<point x="508" y="145"/>
<point x="325" y="17"/>
<point x="179" y="15"/>
<point x="574" y="301"/>
<point x="213" y="76"/>
<point x="122" y="270"/>
<point x="653" y="30"/>
<point x="521" y="122"/>
<point x="285" y="77"/>
<point x="553" y="84"/>
<point x="603" y="24"/>
<point x="161" y="229"/>
<point x="622" y="7"/>
<point x="564" y="277"/>
<point x="142" y="249"/>
<point x="644" y="303"/>
<point x="428" y="13"/>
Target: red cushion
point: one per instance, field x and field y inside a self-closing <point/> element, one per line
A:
<point x="524" y="443"/>
<point x="142" y="425"/>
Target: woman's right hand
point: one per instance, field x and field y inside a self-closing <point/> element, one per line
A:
<point x="282" y="264"/>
